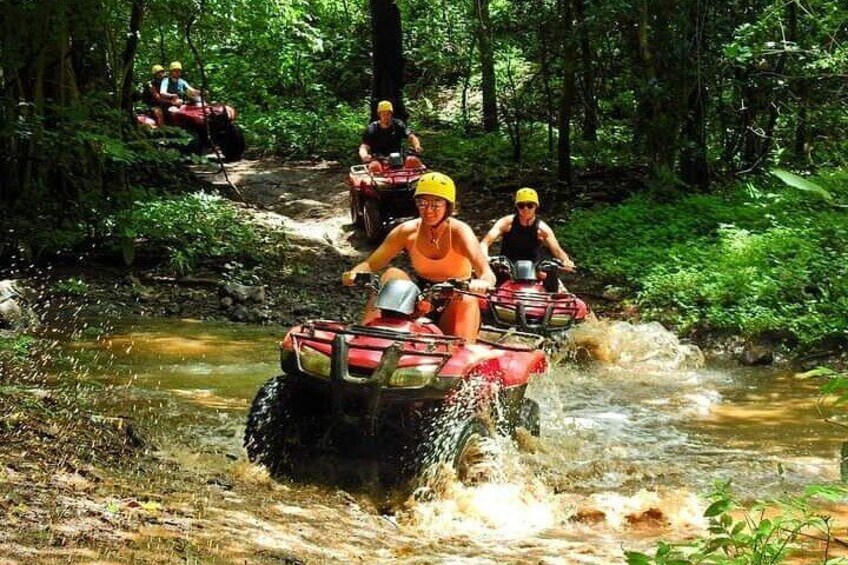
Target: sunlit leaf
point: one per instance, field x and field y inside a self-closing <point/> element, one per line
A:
<point x="718" y="507"/>
<point x="801" y="183"/>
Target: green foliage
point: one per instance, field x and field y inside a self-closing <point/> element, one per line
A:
<point x="71" y="287"/>
<point x="750" y="261"/>
<point x="764" y="532"/>
<point x="18" y="346"/>
<point x="331" y="131"/>
<point x="189" y="229"/>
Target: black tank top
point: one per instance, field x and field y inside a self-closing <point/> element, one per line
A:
<point x="521" y="243"/>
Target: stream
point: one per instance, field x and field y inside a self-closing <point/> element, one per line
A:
<point x="629" y="448"/>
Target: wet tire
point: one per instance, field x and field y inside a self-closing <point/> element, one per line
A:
<point x="355" y="209"/>
<point x="231" y="142"/>
<point x="530" y="418"/>
<point x="372" y="220"/>
<point x="268" y="423"/>
<point x="470" y="458"/>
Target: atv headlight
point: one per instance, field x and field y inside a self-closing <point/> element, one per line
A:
<point x="417" y="376"/>
<point x="314" y="362"/>
<point x="559" y="321"/>
<point x="505" y="314"/>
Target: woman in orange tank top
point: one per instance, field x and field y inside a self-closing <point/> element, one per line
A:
<point x="440" y="248"/>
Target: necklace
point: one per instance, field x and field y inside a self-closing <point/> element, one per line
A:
<point x="433" y="236"/>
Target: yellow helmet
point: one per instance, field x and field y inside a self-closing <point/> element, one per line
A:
<point x="385" y="106"/>
<point x="436" y="184"/>
<point x="176" y="66"/>
<point x="156" y="69"/>
<point x="526" y="195"/>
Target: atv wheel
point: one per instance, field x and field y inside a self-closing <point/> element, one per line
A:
<point x="529" y="417"/>
<point x="231" y="142"/>
<point x="471" y="458"/>
<point x="355" y="209"/>
<point x="372" y="220"/>
<point x="268" y="423"/>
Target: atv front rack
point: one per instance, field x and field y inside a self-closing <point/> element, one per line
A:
<point x="518" y="302"/>
<point x="437" y="347"/>
<point x="371" y="388"/>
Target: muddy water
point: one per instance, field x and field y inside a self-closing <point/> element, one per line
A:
<point x="628" y="448"/>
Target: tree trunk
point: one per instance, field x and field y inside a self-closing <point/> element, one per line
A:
<point x="565" y="172"/>
<point x="387" y="60"/>
<point x="545" y="68"/>
<point x="590" y="99"/>
<point x="128" y="58"/>
<point x="487" y="65"/>
<point x="693" y="155"/>
<point x="780" y="69"/>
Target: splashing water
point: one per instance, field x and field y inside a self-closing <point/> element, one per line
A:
<point x="648" y="347"/>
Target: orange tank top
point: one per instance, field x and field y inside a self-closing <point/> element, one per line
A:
<point x="452" y="266"/>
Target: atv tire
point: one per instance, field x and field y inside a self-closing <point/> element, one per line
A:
<point x="268" y="423"/>
<point x="355" y="209"/>
<point x="529" y="418"/>
<point x="231" y="142"/>
<point x="469" y="456"/>
<point x="372" y="220"/>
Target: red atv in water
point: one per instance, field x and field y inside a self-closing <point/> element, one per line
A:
<point x="381" y="193"/>
<point x="224" y="132"/>
<point x="528" y="297"/>
<point x="396" y="391"/>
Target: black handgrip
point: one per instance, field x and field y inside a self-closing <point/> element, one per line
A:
<point x="365" y="278"/>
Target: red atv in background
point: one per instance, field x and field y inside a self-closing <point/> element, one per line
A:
<point x="381" y="193"/>
<point x="528" y="297"/>
<point x="396" y="391"/>
<point x="224" y="132"/>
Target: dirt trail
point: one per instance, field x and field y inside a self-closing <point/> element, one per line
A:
<point x="308" y="199"/>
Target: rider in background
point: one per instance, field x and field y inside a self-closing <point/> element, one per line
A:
<point x="440" y="248"/>
<point x="153" y="97"/>
<point x="524" y="233"/>
<point x="385" y="136"/>
<point x="176" y="87"/>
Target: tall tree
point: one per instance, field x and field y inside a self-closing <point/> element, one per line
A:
<point x="487" y="64"/>
<point x="565" y="172"/>
<point x="587" y="71"/>
<point x="387" y="58"/>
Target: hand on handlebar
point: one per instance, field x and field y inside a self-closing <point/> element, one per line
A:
<point x="349" y="278"/>
<point x="478" y="286"/>
<point x="361" y="278"/>
<point x="568" y="267"/>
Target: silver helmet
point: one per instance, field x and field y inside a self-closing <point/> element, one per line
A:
<point x="525" y="271"/>
<point x="398" y="295"/>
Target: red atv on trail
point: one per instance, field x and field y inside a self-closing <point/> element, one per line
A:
<point x="528" y="298"/>
<point x="225" y="134"/>
<point x="396" y="391"/>
<point x="381" y="193"/>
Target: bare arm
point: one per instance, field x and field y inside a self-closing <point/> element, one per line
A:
<point x="470" y="247"/>
<point x="414" y="142"/>
<point x="546" y="235"/>
<point x="394" y="243"/>
<point x="365" y="152"/>
<point x="494" y="234"/>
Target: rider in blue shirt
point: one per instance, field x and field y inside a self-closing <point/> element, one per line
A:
<point x="175" y="85"/>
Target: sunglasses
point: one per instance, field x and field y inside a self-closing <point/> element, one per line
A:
<point x="431" y="204"/>
<point x="523" y="205"/>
